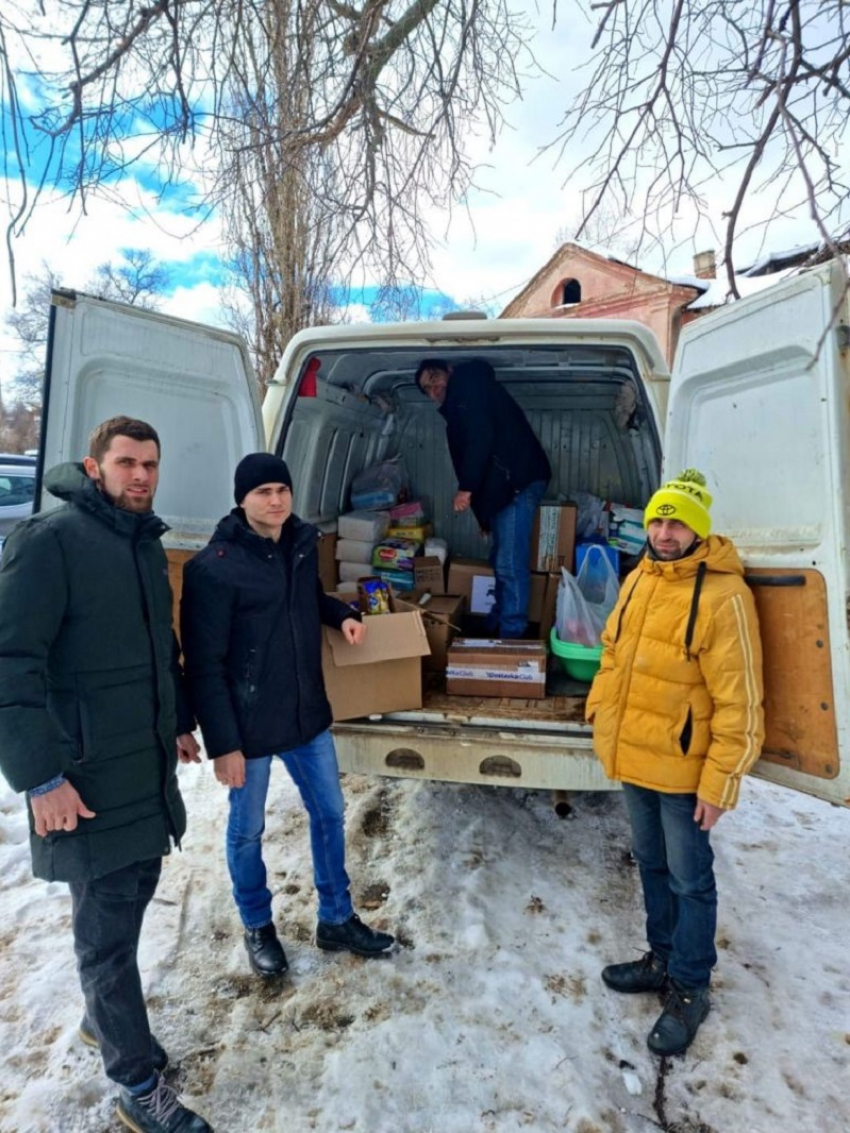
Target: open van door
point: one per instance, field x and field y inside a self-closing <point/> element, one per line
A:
<point x="758" y="403"/>
<point x="194" y="384"/>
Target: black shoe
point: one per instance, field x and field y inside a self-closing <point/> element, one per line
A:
<point x="647" y="974"/>
<point x="158" y="1112"/>
<point x="159" y="1056"/>
<point x="679" y="1022"/>
<point x="352" y="936"/>
<point x="265" y="952"/>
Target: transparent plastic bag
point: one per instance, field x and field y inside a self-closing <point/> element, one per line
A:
<point x="380" y="486"/>
<point x="584" y="602"/>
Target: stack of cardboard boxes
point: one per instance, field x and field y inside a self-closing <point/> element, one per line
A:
<point x="385" y="673"/>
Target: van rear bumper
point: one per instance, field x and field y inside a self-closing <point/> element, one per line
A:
<point x="490" y="756"/>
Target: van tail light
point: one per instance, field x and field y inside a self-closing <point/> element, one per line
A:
<point x="308" y="387"/>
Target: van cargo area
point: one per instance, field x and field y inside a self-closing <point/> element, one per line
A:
<point x="588" y="405"/>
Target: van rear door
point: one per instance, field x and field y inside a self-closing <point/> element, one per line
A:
<point x="194" y="384"/>
<point x="758" y="402"/>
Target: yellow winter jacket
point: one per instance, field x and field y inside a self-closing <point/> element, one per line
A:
<point x="677" y="703"/>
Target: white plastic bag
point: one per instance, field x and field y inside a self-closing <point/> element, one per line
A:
<point x="585" y="602"/>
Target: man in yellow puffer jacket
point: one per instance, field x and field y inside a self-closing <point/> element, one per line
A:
<point x="677" y="717"/>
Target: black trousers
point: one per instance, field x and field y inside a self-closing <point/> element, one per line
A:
<point x="107" y="922"/>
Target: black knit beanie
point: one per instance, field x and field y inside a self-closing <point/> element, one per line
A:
<point x="259" y="468"/>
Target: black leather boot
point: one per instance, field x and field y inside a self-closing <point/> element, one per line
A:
<point x="265" y="952"/>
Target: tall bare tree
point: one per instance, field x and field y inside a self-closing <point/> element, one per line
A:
<point x="328" y="122"/>
<point x="689" y="97"/>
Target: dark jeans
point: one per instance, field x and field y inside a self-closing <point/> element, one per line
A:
<point x="314" y="770"/>
<point x="676" y="868"/>
<point x="107" y="921"/>
<point x="510" y="558"/>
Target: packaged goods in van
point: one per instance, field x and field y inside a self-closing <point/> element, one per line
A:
<point x="354" y="551"/>
<point x="436" y="548"/>
<point x="374" y="596"/>
<point x="626" y="530"/>
<point x="409" y="514"/>
<point x="398" y="579"/>
<point x="496" y="668"/>
<point x="363" y="526"/>
<point x="418" y="534"/>
<point x="353" y="572"/>
<point x="553" y="536"/>
<point x="542" y="600"/>
<point x="396" y="554"/>
<point x="379" y="486"/>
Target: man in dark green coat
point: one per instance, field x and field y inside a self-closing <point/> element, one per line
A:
<point x="91" y="728"/>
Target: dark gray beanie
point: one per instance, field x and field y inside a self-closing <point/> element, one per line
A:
<point x="259" y="468"/>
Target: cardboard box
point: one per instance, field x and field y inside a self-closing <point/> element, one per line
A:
<point x="542" y="601"/>
<point x="327" y="561"/>
<point x="441" y="614"/>
<point x="553" y="537"/>
<point x="384" y="674"/>
<point x="496" y="668"/>
<point x="473" y="578"/>
<point x="429" y="575"/>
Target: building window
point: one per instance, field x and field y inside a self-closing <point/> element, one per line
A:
<point x="570" y="293"/>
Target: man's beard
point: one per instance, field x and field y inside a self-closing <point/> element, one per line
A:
<point x="137" y="505"/>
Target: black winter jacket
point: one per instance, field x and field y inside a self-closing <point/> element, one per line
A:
<point x="493" y="448"/>
<point x="87" y="677"/>
<point x="251" y="618"/>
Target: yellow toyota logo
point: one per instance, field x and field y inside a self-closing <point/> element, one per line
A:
<point x="666" y="509"/>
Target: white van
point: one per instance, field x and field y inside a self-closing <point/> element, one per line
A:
<point x="758" y="401"/>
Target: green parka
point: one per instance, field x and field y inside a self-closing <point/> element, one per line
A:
<point x="677" y="703"/>
<point x="88" y="672"/>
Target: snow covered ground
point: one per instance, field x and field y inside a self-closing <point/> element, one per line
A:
<point x="490" y="1015"/>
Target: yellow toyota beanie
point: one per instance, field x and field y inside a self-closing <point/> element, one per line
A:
<point x="685" y="499"/>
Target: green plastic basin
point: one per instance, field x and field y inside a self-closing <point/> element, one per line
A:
<point x="580" y="662"/>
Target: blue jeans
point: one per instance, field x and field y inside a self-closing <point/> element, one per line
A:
<point x="510" y="555"/>
<point x="676" y="868"/>
<point x="313" y="769"/>
<point x="106" y="915"/>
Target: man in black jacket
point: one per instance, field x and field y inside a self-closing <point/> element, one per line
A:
<point x="251" y="617"/>
<point x="89" y="711"/>
<point x="502" y="474"/>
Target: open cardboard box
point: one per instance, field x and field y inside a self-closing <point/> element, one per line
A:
<point x="441" y="614"/>
<point x="384" y="674"/>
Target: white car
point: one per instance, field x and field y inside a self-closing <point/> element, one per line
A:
<point x="17" y="490"/>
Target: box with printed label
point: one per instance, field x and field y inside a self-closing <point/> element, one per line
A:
<point x="496" y="668"/>
<point x="474" y="579"/>
<point x="553" y="537"/>
<point x="441" y="614"/>
<point x="383" y="674"/>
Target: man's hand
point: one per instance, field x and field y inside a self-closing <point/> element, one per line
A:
<point x="59" y="809"/>
<point x="353" y="631"/>
<point x="462" y="501"/>
<point x="188" y="749"/>
<point x="230" y="769"/>
<point x="706" y="814"/>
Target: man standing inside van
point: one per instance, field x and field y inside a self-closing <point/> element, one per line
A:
<point x="677" y="717"/>
<point x="251" y="621"/>
<point x="502" y="473"/>
<point x="89" y="709"/>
